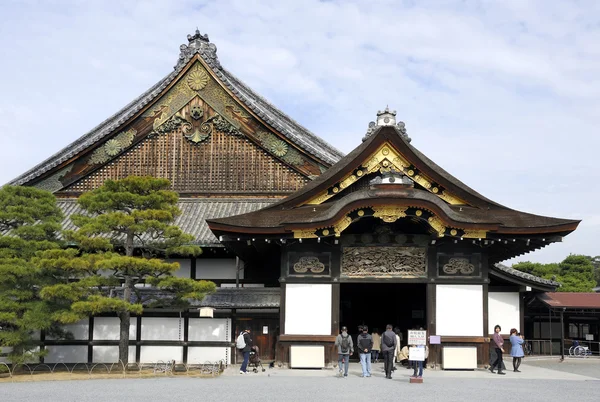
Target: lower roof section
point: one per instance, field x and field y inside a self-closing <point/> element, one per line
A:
<point x="243" y="298"/>
<point x="560" y="300"/>
<point x="194" y="213"/>
<point x="523" y="278"/>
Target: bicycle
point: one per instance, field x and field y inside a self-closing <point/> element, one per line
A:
<point x="527" y="349"/>
<point x="166" y="368"/>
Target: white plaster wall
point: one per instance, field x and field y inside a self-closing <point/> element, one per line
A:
<point x="4" y="351"/>
<point x="79" y="330"/>
<point x="503" y="310"/>
<point x="203" y="354"/>
<point x="107" y="329"/>
<point x="459" y="310"/>
<point x="217" y="268"/>
<point x="152" y="354"/>
<point x="308" y="309"/>
<point x="110" y="354"/>
<point x="185" y="267"/>
<point x="66" y="354"/>
<point x="209" y="329"/>
<point x="162" y="329"/>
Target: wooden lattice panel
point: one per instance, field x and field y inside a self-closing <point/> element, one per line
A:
<point x="224" y="163"/>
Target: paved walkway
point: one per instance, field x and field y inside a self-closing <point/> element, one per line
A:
<point x="535" y="383"/>
<point x="532" y="369"/>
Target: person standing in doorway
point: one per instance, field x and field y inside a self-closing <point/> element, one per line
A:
<point x="516" y="349"/>
<point x="246" y="350"/>
<point x="376" y="346"/>
<point x="498" y="343"/>
<point x="345" y="349"/>
<point x="364" y="343"/>
<point x="388" y="348"/>
<point x="398" y="344"/>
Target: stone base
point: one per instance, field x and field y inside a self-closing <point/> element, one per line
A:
<point x="416" y="380"/>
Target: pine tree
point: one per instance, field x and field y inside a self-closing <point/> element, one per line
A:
<point x="30" y="222"/>
<point x="125" y="231"/>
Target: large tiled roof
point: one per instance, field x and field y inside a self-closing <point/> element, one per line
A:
<point x="194" y="212"/>
<point x="243" y="298"/>
<point x="198" y="44"/>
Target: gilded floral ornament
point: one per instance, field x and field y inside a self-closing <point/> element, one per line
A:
<point x="197" y="79"/>
<point x="99" y="156"/>
<point x="112" y="147"/>
<point x="278" y="148"/>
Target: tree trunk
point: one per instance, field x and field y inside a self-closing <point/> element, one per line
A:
<point x="125" y="316"/>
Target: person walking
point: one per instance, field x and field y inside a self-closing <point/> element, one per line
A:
<point x="345" y="349"/>
<point x="498" y="343"/>
<point x="376" y="346"/>
<point x="388" y="348"/>
<point x="246" y="350"/>
<point x="516" y="349"/>
<point x="364" y="343"/>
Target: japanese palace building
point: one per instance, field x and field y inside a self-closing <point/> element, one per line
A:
<point x="300" y="238"/>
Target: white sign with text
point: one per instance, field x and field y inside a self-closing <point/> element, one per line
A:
<point x="417" y="337"/>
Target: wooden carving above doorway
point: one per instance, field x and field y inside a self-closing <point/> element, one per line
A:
<point x="384" y="262"/>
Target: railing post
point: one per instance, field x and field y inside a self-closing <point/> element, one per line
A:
<point x="562" y="335"/>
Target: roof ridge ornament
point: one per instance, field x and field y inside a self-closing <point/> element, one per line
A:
<point x="387" y="117"/>
<point x="198" y="43"/>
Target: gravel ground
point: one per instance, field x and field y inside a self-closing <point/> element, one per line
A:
<point x="304" y="388"/>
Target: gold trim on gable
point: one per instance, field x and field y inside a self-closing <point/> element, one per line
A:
<point x="389" y="214"/>
<point x="385" y="159"/>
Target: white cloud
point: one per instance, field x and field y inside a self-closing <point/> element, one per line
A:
<point x="503" y="95"/>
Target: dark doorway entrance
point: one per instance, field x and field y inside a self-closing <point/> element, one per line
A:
<point x="376" y="305"/>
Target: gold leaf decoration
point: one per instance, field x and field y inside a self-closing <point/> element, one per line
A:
<point x="389" y="214"/>
<point x="197" y="79"/>
<point x="279" y="148"/>
<point x="112" y="147"/>
<point x="99" y="156"/>
<point x="126" y="138"/>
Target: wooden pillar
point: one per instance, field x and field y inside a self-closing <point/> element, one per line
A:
<point x="485" y="348"/>
<point x="186" y="334"/>
<point x="90" y="354"/>
<point x="434" y="350"/>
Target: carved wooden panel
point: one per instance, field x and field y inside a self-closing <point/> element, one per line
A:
<point x="459" y="264"/>
<point x="309" y="264"/>
<point x="384" y="262"/>
<point x="220" y="163"/>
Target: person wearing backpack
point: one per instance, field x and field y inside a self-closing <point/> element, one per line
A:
<point x="364" y="342"/>
<point x="388" y="348"/>
<point x="345" y="349"/>
<point x="244" y="344"/>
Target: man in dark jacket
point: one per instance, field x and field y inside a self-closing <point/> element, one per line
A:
<point x="246" y="351"/>
<point x="388" y="348"/>
<point x="364" y="343"/>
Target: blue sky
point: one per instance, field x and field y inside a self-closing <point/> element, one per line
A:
<point x="503" y="95"/>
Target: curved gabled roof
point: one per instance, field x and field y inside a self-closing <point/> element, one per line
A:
<point x="198" y="45"/>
